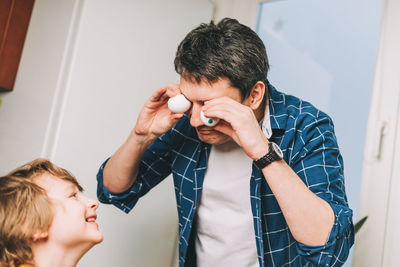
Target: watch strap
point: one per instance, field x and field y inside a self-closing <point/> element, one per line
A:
<point x="268" y="158"/>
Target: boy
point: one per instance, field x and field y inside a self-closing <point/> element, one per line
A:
<point x="44" y="218"/>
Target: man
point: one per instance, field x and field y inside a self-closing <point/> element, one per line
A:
<point x="264" y="187"/>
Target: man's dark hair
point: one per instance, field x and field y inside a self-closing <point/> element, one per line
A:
<point x="224" y="50"/>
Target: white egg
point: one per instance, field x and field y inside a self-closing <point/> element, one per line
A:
<point x="210" y="122"/>
<point x="178" y="104"/>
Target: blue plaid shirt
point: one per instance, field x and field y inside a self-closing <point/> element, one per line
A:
<point x="306" y="137"/>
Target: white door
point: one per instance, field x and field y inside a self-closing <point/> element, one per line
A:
<point x="377" y="241"/>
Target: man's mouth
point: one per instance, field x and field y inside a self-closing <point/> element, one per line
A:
<point x="205" y="130"/>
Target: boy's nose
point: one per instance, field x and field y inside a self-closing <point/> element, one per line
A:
<point x="92" y="203"/>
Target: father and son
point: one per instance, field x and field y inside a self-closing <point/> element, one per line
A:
<point x="263" y="187"/>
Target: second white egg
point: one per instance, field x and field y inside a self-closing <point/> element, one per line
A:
<point x="210" y="122"/>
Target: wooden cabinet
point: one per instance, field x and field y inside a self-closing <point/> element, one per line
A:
<point x="14" y="20"/>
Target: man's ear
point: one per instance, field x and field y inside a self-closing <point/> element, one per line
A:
<point x="257" y="95"/>
<point x="40" y="235"/>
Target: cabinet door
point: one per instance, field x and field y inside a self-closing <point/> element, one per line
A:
<point x="14" y="20"/>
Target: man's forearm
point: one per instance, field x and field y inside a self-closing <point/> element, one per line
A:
<point x="310" y="218"/>
<point x="121" y="170"/>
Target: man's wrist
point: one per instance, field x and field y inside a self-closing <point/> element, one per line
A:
<point x="260" y="151"/>
<point x="274" y="154"/>
<point x="141" y="140"/>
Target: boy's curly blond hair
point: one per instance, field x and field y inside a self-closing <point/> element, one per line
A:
<point x="25" y="210"/>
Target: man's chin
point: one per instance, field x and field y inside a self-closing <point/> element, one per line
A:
<point x="212" y="137"/>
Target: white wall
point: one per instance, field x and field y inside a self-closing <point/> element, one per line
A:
<point x="245" y="11"/>
<point x="86" y="70"/>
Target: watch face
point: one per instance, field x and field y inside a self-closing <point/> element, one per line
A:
<point x="278" y="150"/>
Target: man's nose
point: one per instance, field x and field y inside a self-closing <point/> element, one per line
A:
<point x="195" y="120"/>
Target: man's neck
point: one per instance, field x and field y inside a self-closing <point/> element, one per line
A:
<point x="260" y="111"/>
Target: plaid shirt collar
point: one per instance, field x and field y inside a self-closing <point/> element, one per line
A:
<point x="274" y="120"/>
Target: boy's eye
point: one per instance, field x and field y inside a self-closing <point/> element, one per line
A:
<point x="74" y="195"/>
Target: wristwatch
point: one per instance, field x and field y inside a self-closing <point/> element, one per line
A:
<point x="274" y="154"/>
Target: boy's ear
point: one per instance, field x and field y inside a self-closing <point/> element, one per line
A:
<point x="257" y="95"/>
<point x="40" y="235"/>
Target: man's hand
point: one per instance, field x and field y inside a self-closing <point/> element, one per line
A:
<point x="239" y="122"/>
<point x="155" y="118"/>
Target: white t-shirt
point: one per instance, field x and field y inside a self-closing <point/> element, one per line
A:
<point x="225" y="231"/>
